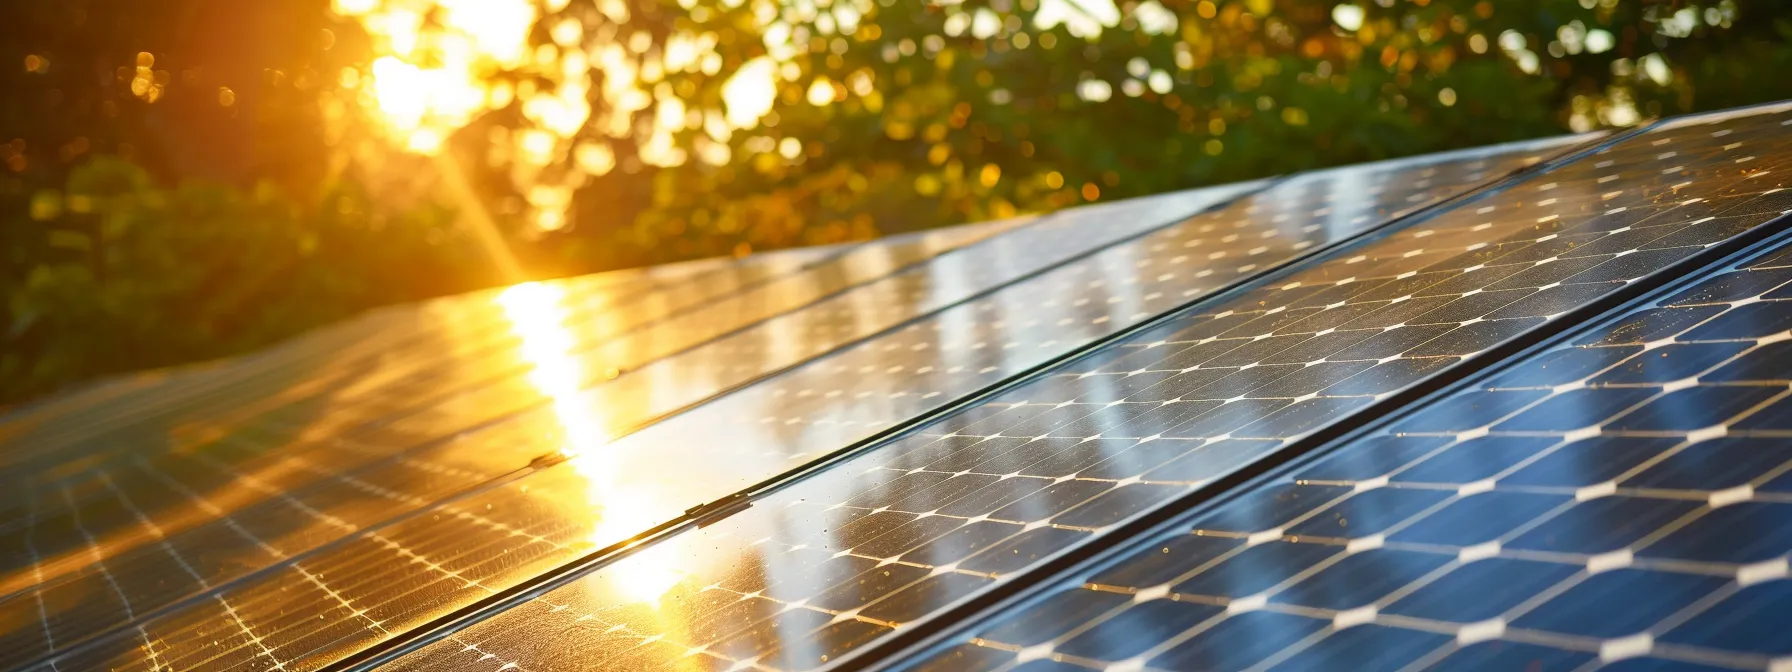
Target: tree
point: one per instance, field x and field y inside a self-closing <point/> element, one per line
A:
<point x="207" y="177"/>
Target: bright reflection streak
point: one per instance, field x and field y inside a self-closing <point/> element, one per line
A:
<point x="538" y="317"/>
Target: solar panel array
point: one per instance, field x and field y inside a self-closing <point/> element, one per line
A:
<point x="997" y="500"/>
<point x="954" y="450"/>
<point x="572" y="526"/>
<point x="940" y="514"/>
<point x="334" y="511"/>
<point x="90" y="526"/>
<point x="1606" y="499"/>
<point x="308" y="497"/>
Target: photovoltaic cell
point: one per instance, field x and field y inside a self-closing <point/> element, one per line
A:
<point x="405" y="572"/>
<point x="220" y="521"/>
<point x="1613" y="500"/>
<point x="817" y="569"/>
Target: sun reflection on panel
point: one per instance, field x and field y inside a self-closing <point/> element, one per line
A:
<point x="538" y="315"/>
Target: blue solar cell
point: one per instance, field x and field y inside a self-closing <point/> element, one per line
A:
<point x="1253" y="569"/>
<point x="1237" y="643"/>
<point x="1481" y="591"/>
<point x="1751" y="618"/>
<point x="1560" y="367"/>
<point x="1574" y="409"/>
<point x="1589" y="462"/>
<point x="1618" y="603"/>
<point x="1467" y="461"/>
<point x="1392" y="452"/>
<point x="1718" y="464"/>
<point x="1359" y="579"/>
<point x="1602" y="525"/>
<point x="1479" y="518"/>
<point x="1694" y="408"/>
<point x="1738" y="534"/>
<point x="1369" y="513"/>
<point x="1669" y="363"/>
<point x="1471" y="411"/>
<point x="1511" y="656"/>
<point x="1137" y="629"/>
<point x="1365" y="647"/>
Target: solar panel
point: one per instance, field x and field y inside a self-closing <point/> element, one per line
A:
<point x="316" y="494"/>
<point x="503" y="535"/>
<point x="1607" y="499"/>
<point x="873" y="542"/>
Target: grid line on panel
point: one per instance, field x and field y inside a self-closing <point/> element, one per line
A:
<point x="219" y="516"/>
<point x="283" y="561"/>
<point x="949" y="573"/>
<point x="348" y="607"/>
<point x="1525" y="571"/>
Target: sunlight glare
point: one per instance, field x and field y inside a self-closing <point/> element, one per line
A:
<point x="749" y="94"/>
<point x="538" y="315"/>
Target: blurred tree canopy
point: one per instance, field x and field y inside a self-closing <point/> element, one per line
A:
<point x="182" y="179"/>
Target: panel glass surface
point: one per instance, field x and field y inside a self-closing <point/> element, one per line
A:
<point x="836" y="560"/>
<point x="191" y="522"/>
<point x="1619" y="500"/>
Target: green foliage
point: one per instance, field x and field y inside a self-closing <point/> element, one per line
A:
<point x="933" y="114"/>
<point x="1238" y="89"/>
<point x="135" y="275"/>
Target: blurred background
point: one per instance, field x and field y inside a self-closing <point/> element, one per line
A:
<point x="186" y="179"/>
